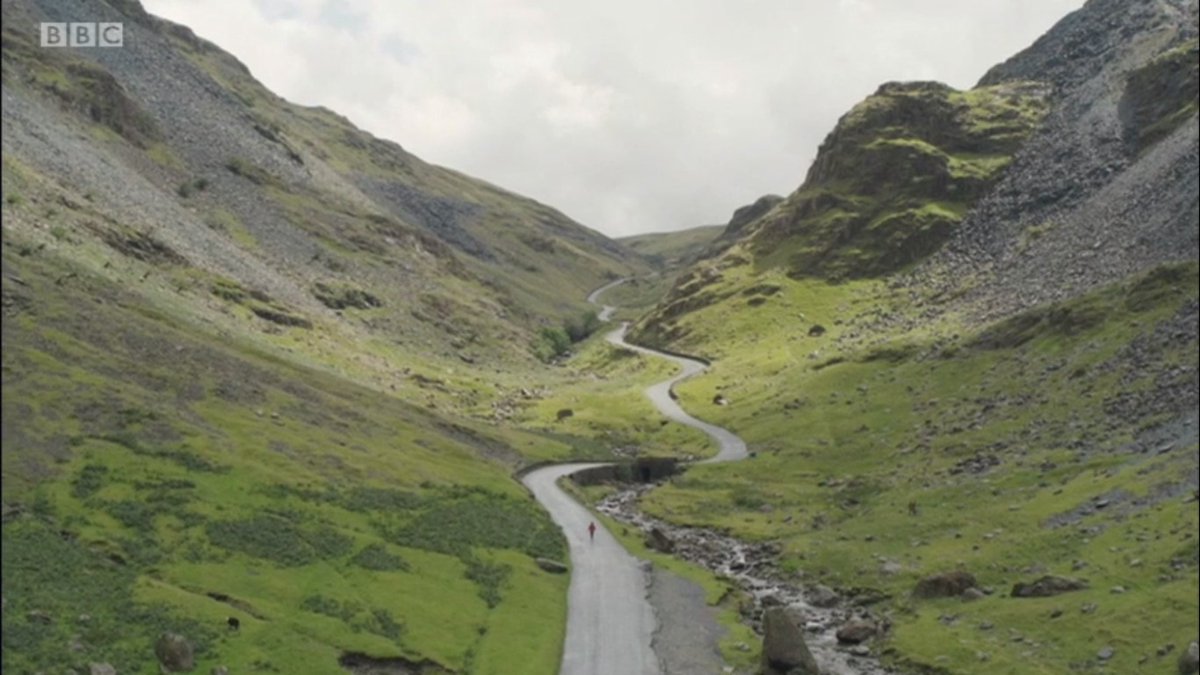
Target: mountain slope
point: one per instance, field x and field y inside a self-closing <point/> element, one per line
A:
<point x="976" y="392"/>
<point x="241" y="342"/>
<point x="671" y="249"/>
<point x="178" y="139"/>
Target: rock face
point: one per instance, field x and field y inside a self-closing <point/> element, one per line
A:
<point x="1112" y="169"/>
<point x="748" y="214"/>
<point x="784" y="650"/>
<point x="947" y="585"/>
<point x="1189" y="660"/>
<point x="174" y="652"/>
<point x="1047" y="586"/>
<point x="890" y="183"/>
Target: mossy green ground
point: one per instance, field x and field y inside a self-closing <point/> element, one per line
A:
<point x="994" y="435"/>
<point x="602" y="387"/>
<point x="196" y="477"/>
<point x="671" y="249"/>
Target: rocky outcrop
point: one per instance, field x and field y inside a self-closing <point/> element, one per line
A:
<point x="891" y="182"/>
<point x="1106" y="188"/>
<point x="947" y="585"/>
<point x="1161" y="95"/>
<point x="1047" y="586"/>
<point x="746" y="215"/>
<point x="784" y="650"/>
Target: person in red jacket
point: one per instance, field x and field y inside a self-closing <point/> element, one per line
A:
<point x="592" y="531"/>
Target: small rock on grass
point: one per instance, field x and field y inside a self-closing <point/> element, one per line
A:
<point x="1047" y="586"/>
<point x="856" y="632"/>
<point x="972" y="594"/>
<point x="821" y="596"/>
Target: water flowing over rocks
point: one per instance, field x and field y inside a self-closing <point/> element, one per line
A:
<point x="818" y="612"/>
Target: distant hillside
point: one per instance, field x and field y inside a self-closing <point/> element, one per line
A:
<point x="172" y="141"/>
<point x="673" y="249"/>
<point x="1043" y="188"/>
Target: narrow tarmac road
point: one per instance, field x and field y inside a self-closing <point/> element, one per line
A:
<point x="730" y="448"/>
<point x="609" y="620"/>
<point x="610" y="623"/>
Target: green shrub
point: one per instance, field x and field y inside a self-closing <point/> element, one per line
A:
<point x="383" y="623"/>
<point x="364" y="498"/>
<point x="488" y="576"/>
<point x="268" y="537"/>
<point x="458" y="525"/>
<point x="61" y="579"/>
<point x="89" y="481"/>
<point x="377" y="557"/>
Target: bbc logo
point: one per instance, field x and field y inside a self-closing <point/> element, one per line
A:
<point x="83" y="34"/>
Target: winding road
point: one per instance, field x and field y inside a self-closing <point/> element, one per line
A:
<point x="610" y="623"/>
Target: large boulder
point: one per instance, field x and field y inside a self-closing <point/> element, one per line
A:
<point x="946" y="585"/>
<point x="1189" y="660"/>
<point x="658" y="540"/>
<point x="174" y="652"/>
<point x="784" y="651"/>
<point x="1047" y="586"/>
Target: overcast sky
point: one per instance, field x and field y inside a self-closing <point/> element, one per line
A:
<point x="629" y="115"/>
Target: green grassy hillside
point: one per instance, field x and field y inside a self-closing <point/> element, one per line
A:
<point x="179" y="143"/>
<point x="911" y="411"/>
<point x="673" y="249"/>
<point x="1061" y="441"/>
<point x="160" y="477"/>
<point x="251" y="368"/>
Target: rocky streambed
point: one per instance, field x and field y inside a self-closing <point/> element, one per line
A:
<point x="837" y="632"/>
